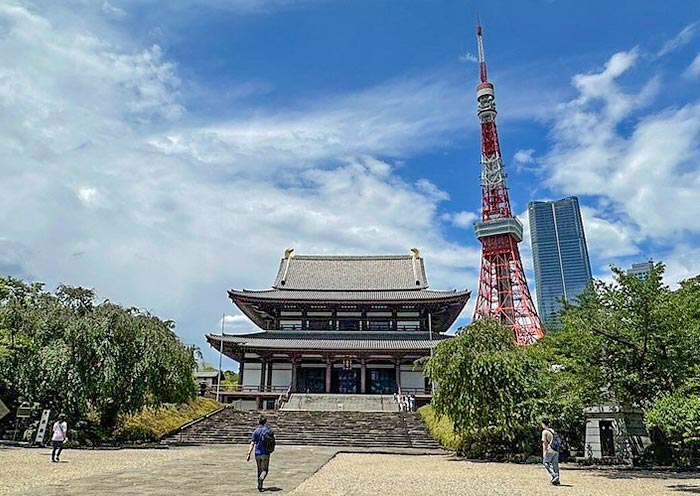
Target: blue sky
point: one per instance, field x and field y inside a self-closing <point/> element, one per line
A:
<point x="163" y="153"/>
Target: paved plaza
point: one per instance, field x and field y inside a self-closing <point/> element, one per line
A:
<point x="302" y="471"/>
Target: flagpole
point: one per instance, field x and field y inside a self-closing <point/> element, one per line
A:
<point x="221" y="352"/>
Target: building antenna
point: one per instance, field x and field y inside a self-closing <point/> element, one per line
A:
<point x="480" y="47"/>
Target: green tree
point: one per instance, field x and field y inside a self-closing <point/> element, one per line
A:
<point x="632" y="337"/>
<point x="485" y="385"/>
<point x="65" y="351"/>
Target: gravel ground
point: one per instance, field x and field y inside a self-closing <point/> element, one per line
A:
<point x="222" y="470"/>
<point x="23" y="468"/>
<point x="359" y="474"/>
<point x="201" y="470"/>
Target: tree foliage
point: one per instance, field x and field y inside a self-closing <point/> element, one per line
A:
<point x="629" y="340"/>
<point x="485" y="382"/>
<point x="65" y="351"/>
<point x="634" y="338"/>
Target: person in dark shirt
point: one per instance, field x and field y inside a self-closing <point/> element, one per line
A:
<point x="262" y="457"/>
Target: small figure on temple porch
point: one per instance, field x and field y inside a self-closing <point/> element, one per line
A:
<point x="263" y="441"/>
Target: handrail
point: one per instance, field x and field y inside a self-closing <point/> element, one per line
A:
<point x="405" y="391"/>
<point x="250" y="389"/>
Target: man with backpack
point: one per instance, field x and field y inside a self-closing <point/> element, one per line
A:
<point x="551" y="446"/>
<point x="263" y="441"/>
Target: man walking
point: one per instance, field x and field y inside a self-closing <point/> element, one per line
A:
<point x="551" y="445"/>
<point x="60" y="436"/>
<point x="263" y="441"/>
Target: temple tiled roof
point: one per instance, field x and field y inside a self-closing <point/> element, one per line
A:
<point x="351" y="273"/>
<point x="387" y="295"/>
<point x="331" y="340"/>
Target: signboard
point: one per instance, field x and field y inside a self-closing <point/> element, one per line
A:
<point x="3" y="410"/>
<point x="43" y="424"/>
<point x="24" y="411"/>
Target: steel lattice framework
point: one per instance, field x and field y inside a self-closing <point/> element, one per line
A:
<point x="503" y="292"/>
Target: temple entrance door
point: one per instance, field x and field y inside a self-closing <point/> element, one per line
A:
<point x="381" y="381"/>
<point x="346" y="381"/>
<point x="607" y="438"/>
<point x="311" y="380"/>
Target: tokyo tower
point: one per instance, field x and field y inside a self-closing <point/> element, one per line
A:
<point x="503" y="292"/>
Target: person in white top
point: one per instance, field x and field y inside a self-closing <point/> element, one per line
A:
<point x="60" y="436"/>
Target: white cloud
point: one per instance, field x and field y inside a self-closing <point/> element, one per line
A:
<point x="639" y="170"/>
<point x="469" y="57"/>
<point x="88" y="195"/>
<point x="236" y="324"/>
<point x="111" y="11"/>
<point x="684" y="37"/>
<point x="98" y="194"/>
<point x="397" y="118"/>
<point x="693" y="70"/>
<point x="463" y="219"/>
<point x="524" y="156"/>
<point x="607" y="239"/>
<point x="638" y="160"/>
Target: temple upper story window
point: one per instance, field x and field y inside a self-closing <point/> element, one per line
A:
<point x="319" y="324"/>
<point x="290" y="324"/>
<point x="408" y="325"/>
<point x="348" y="325"/>
<point x="379" y="325"/>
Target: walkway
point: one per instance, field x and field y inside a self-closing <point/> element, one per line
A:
<point x="207" y="470"/>
<point x="222" y="470"/>
<point x="365" y="474"/>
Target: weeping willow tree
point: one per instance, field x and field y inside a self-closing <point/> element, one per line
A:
<point x="68" y="352"/>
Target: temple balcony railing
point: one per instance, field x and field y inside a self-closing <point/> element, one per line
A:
<point x="248" y="389"/>
<point x="370" y="328"/>
<point x="420" y="391"/>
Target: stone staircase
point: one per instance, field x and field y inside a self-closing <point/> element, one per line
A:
<point x="340" y="402"/>
<point x="379" y="430"/>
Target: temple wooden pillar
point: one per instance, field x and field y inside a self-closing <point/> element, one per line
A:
<point x="398" y="374"/>
<point x="295" y="373"/>
<point x="241" y="368"/>
<point x="263" y="370"/>
<point x="260" y="400"/>
<point x="329" y="370"/>
<point x="269" y="375"/>
<point x="363" y="376"/>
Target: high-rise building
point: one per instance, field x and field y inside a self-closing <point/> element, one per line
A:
<point x="560" y="254"/>
<point x="641" y="270"/>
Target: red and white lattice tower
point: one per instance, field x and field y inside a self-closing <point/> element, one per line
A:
<point x="503" y="292"/>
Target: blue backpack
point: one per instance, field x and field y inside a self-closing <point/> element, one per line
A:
<point x="556" y="440"/>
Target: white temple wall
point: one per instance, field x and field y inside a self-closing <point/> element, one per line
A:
<point x="281" y="374"/>
<point x="411" y="378"/>
<point x="251" y="375"/>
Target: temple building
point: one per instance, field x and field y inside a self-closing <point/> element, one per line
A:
<point x="339" y="324"/>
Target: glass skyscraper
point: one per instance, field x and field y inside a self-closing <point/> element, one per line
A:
<point x="560" y="255"/>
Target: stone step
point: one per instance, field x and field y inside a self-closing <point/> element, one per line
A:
<point x="340" y="402"/>
<point x="322" y="428"/>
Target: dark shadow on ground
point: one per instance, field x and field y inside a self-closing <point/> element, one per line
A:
<point x="685" y="488"/>
<point x="272" y="489"/>
<point x="647" y="474"/>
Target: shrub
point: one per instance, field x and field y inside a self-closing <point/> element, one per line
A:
<point x="674" y="420"/>
<point x="441" y="428"/>
<point x="150" y="424"/>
